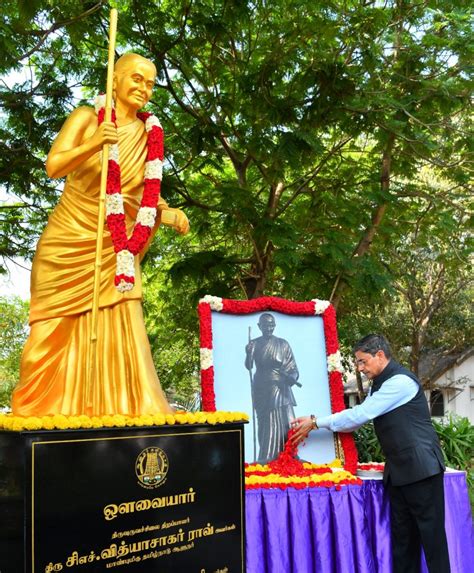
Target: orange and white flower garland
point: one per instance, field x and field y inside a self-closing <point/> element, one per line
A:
<point x="127" y="248"/>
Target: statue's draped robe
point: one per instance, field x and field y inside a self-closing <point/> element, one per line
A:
<point x="54" y="364"/>
<point x="273" y="399"/>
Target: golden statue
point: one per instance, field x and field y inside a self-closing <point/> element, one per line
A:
<point x="54" y="364"/>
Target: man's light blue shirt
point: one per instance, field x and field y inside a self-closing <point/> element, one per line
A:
<point x="394" y="392"/>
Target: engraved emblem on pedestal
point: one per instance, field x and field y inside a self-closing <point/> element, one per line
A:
<point x="151" y="467"/>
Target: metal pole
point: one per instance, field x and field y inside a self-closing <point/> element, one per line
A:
<point x="92" y="366"/>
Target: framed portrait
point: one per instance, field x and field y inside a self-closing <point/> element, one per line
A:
<point x="275" y="360"/>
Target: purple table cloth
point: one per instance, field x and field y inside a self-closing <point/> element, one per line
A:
<point x="347" y="531"/>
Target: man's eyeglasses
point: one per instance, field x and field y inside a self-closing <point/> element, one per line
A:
<point x="362" y="361"/>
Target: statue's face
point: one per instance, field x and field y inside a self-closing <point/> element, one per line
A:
<point x="267" y="325"/>
<point x="134" y="83"/>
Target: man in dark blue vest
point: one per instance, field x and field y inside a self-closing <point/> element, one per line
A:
<point x="414" y="462"/>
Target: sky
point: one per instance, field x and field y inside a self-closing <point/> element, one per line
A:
<point x="17" y="279"/>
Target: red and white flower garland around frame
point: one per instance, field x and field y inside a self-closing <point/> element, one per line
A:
<point x="127" y="248"/>
<point x="322" y="308"/>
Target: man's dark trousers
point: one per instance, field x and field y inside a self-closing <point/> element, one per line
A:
<point x="417" y="517"/>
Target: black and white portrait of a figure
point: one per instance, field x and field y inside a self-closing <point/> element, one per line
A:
<point x="273" y="367"/>
<point x="276" y="372"/>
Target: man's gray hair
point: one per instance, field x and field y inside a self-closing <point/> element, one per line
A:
<point x="372" y="343"/>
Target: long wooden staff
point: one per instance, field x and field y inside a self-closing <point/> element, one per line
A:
<point x="253" y="406"/>
<point x="92" y="372"/>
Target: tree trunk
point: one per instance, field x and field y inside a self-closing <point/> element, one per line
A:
<point x="415" y="352"/>
<point x="365" y="242"/>
<point x="263" y="249"/>
<point x="360" y="387"/>
<point x="255" y="284"/>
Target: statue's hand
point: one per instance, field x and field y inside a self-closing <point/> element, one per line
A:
<point x="106" y="133"/>
<point x="292" y="381"/>
<point x="182" y="223"/>
<point x="249" y="349"/>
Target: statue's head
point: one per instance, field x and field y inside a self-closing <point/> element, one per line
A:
<point x="134" y="79"/>
<point x="267" y="324"/>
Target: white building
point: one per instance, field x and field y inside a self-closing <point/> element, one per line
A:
<point x="449" y="379"/>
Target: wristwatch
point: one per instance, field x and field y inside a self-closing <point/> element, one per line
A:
<point x="315" y="424"/>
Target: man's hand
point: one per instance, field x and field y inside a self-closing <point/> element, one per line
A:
<point x="303" y="427"/>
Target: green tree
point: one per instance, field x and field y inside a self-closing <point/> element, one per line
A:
<point x="13" y="333"/>
<point x="292" y="131"/>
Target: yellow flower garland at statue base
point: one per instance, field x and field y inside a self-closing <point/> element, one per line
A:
<point x="59" y="422"/>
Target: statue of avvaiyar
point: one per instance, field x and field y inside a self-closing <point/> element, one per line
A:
<point x="54" y="363"/>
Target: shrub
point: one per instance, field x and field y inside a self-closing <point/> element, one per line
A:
<point x="367" y="444"/>
<point x="456" y="435"/>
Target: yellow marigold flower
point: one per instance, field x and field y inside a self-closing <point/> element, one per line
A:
<point x="201" y="417"/>
<point x="32" y="423"/>
<point x="74" y="422"/>
<point x="47" y="422"/>
<point x="107" y="421"/>
<point x="191" y="418"/>
<point x="221" y="417"/>
<point x="85" y="421"/>
<point x="170" y="419"/>
<point x="159" y="419"/>
<point x="60" y="421"/>
<point x="119" y="420"/>
<point x="147" y="420"/>
<point x="96" y="422"/>
<point x="18" y="424"/>
<point x="211" y="419"/>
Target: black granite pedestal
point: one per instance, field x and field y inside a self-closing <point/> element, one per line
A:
<point x="166" y="499"/>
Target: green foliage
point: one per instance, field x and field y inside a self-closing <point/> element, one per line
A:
<point x="172" y="331"/>
<point x="456" y="435"/>
<point x="368" y="446"/>
<point x="13" y="333"/>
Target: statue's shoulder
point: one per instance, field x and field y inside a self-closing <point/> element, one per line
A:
<point x="85" y="113"/>
<point x="82" y="119"/>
